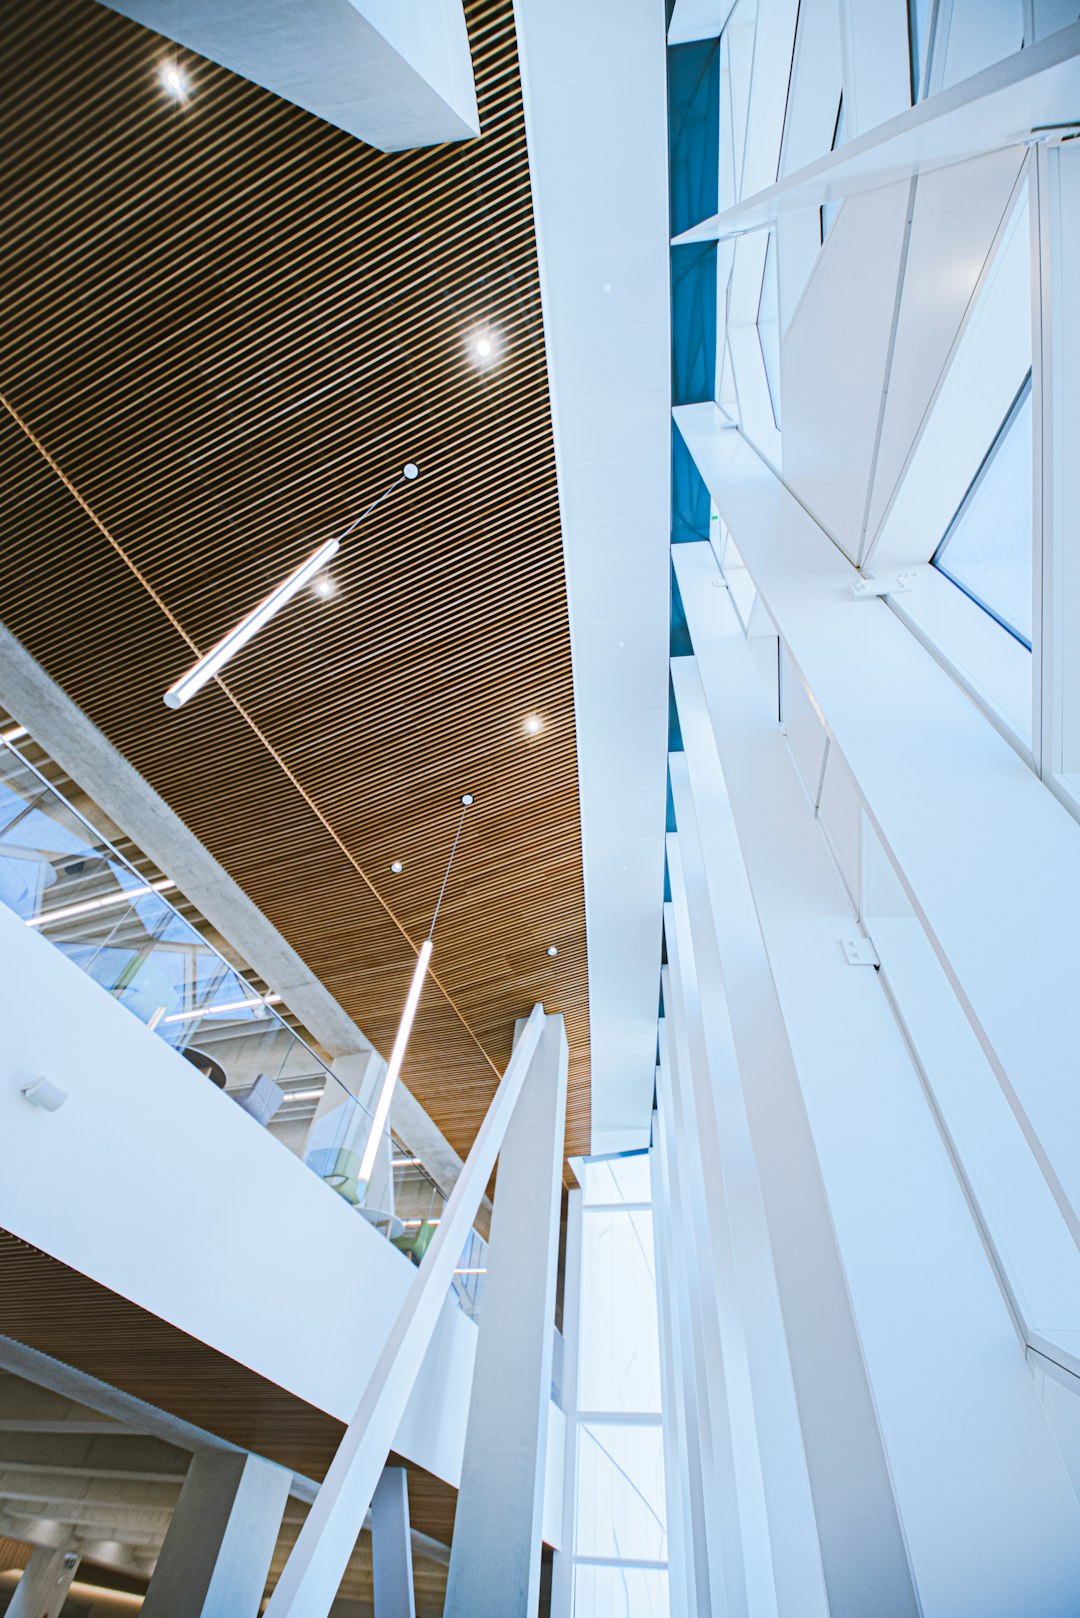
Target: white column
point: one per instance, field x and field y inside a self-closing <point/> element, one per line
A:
<point x="988" y="1517"/>
<point x="495" y="1557"/>
<point x="311" y="1577"/>
<point x="391" y="1546"/>
<point x="681" y="1570"/>
<point x="751" y="1303"/>
<point x="703" y="1520"/>
<point x="43" y="1588"/>
<point x="216" y="1556"/>
<point x="862" y="1547"/>
<point x="562" y="1572"/>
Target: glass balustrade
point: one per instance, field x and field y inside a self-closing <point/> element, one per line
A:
<point x="67" y="881"/>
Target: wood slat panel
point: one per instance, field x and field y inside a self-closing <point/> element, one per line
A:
<point x="227" y="325"/>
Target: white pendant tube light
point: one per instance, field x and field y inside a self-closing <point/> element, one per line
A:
<point x="412" y="1000"/>
<point x="227" y="648"/>
<point x="215" y="660"/>
<point x="393" y="1068"/>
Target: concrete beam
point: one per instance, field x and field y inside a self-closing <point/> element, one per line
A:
<point x="395" y="73"/>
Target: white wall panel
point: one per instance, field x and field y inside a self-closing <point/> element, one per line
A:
<point x="958" y="213"/>
<point x="831" y="408"/>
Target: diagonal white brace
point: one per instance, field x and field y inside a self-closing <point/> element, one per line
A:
<point x="311" y="1576"/>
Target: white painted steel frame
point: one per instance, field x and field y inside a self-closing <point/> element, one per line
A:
<point x="309" y="1582"/>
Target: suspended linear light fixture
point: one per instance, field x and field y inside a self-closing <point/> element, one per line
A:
<point x="412" y="1000"/>
<point x="226" y="649"/>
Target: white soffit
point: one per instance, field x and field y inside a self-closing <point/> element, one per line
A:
<point x="594" y="75"/>
<point x="394" y="73"/>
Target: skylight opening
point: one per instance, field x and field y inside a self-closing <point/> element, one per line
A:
<point x="987" y="548"/>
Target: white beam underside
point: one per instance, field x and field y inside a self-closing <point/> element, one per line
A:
<point x="1033" y="89"/>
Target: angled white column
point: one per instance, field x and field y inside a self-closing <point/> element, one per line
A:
<point x="778" y="1510"/>
<point x="979" y="1489"/>
<point x="391" y="1546"/>
<point x="711" y="1526"/>
<point x="311" y="1577"/>
<point x="862" y="1547"/>
<point x="495" y="1556"/>
<point x="43" y="1588"/>
<point x="216" y="1556"/>
<point x="678" y="1466"/>
<point x="562" y="1571"/>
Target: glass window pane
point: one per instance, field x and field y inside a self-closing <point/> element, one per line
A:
<point x="621" y="1510"/>
<point x="617" y="1179"/>
<point x="768" y="325"/>
<point x="620" y="1351"/>
<point x="620" y="1592"/>
<point x="987" y="550"/>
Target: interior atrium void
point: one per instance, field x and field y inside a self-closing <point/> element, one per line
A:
<point x="540" y="809"/>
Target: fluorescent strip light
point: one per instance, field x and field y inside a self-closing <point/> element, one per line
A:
<point x="124" y="896"/>
<point x="471" y="1272"/>
<point x="16" y="734"/>
<point x="397" y="1056"/>
<point x="229" y="1005"/>
<point x="303" y="1095"/>
<point x="404" y="1162"/>
<point x="414" y="1224"/>
<point x="227" y="648"/>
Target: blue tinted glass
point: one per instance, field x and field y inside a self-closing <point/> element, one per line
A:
<point x="988" y="547"/>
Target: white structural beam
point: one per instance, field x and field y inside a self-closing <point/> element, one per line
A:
<point x="683" y="1591"/>
<point x="395" y="73"/>
<point x="216" y="1556"/>
<point x="1034" y="89"/>
<point x="704" y="1582"/>
<point x="861" y="1549"/>
<point x="562" y="1572"/>
<point x="311" y="1577"/>
<point x="43" y="1588"/>
<point x="753" y="1309"/>
<point x="391" y="1546"/>
<point x="595" y="95"/>
<point x="915" y="1268"/>
<point x="495" y="1556"/>
<point x="1003" y="929"/>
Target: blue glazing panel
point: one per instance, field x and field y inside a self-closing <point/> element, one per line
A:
<point x="693" y="323"/>
<point x="693" y="132"/>
<point x="691" y="507"/>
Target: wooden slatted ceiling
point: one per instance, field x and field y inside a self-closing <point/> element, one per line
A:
<point x="224" y="327"/>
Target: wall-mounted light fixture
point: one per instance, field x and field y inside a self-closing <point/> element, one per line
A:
<point x="43" y="1093"/>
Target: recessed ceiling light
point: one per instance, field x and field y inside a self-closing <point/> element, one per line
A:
<point x="325" y="586"/>
<point x="397" y="867"/>
<point x="532" y="724"/>
<point x="483" y="347"/>
<point x="174" y="81"/>
<point x="552" y="950"/>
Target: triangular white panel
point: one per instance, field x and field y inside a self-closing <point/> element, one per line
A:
<point x="831" y="403"/>
<point x="958" y="212"/>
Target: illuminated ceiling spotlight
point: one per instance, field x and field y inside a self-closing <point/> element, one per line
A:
<point x="484" y="348"/>
<point x="325" y="587"/>
<point x="174" y="81"/>
<point x="397" y="867"/>
<point x="553" y="950"/>
<point x="532" y="724"/>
